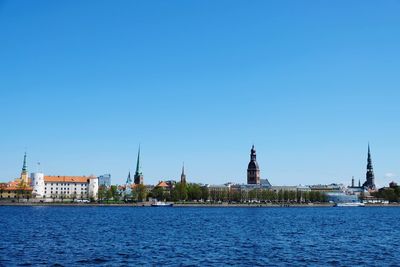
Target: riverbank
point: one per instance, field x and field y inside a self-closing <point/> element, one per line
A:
<point x="187" y="205"/>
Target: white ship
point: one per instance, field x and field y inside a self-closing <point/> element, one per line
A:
<point x="161" y="204"/>
<point x="349" y="204"/>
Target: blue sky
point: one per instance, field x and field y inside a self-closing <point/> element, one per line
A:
<point x="310" y="83"/>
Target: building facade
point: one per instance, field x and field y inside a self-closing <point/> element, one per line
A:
<point x="47" y="188"/>
<point x="65" y="187"/>
<point x="105" y="180"/>
<point x="19" y="187"/>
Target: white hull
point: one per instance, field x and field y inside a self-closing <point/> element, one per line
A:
<point x="350" y="204"/>
<point x="161" y="204"/>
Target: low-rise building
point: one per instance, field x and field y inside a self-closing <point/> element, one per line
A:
<point x="65" y="187"/>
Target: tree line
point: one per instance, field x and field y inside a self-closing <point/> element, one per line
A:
<point x="196" y="192"/>
<point x="391" y="194"/>
<point x="112" y="194"/>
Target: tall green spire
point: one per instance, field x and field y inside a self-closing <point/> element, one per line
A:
<point x="138" y="163"/>
<point x="24" y="167"/>
<point x="138" y="178"/>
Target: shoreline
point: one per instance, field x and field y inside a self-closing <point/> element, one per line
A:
<point x="181" y="205"/>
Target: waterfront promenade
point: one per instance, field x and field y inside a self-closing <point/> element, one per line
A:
<point x="191" y="205"/>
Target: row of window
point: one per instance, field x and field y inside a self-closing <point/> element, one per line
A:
<point x="65" y="184"/>
<point x="65" y="192"/>
<point x="65" y="188"/>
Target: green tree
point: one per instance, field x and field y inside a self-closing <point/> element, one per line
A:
<point x="194" y="192"/>
<point x="180" y="191"/>
<point x="113" y="193"/>
<point x="205" y="194"/>
<point x="141" y="192"/>
<point x="158" y="193"/>
<point x="102" y="193"/>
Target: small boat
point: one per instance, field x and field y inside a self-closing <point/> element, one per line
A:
<point x="350" y="204"/>
<point x="161" y="204"/>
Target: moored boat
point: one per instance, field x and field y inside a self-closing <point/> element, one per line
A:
<point x="161" y="204"/>
<point x="350" y="204"/>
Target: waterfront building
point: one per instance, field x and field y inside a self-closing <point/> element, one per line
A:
<point x="328" y="188"/>
<point x="353" y="189"/>
<point x="138" y="177"/>
<point x="19" y="187"/>
<point x="290" y="188"/>
<point x="38" y="185"/>
<point x="341" y="197"/>
<point x="369" y="184"/>
<point x="66" y="187"/>
<point x="164" y="185"/>
<point x="105" y="180"/>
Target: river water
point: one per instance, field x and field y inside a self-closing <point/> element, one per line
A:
<point x="129" y="236"/>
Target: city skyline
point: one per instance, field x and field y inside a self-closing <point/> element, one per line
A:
<point x="251" y="173"/>
<point x="309" y="84"/>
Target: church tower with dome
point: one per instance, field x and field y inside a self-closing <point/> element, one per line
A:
<point x="253" y="171"/>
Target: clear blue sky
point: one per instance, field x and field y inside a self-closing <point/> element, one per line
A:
<point x="82" y="83"/>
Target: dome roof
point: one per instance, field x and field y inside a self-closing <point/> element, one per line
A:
<point x="253" y="165"/>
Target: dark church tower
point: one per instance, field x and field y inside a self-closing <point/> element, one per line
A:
<point x="138" y="177"/>
<point x="183" y="175"/>
<point x="370" y="182"/>
<point x="253" y="171"/>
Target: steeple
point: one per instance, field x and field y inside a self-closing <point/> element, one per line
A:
<point x="138" y="178"/>
<point x="128" y="179"/>
<point x="370" y="177"/>
<point x="183" y="175"/>
<point x="24" y="172"/>
<point x="253" y="155"/>
<point x="369" y="164"/>
<point x="138" y="163"/>
<point x="24" y="167"/>
<point x="253" y="171"/>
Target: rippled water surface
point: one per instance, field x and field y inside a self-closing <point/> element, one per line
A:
<point x="113" y="236"/>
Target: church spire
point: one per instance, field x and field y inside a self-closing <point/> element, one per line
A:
<point x="24" y="167"/>
<point x="24" y="172"/>
<point x="138" y="162"/>
<point x="183" y="175"/>
<point x="253" y="155"/>
<point x="369" y="164"/>
<point x="128" y="179"/>
<point x="370" y="177"/>
<point x="138" y="178"/>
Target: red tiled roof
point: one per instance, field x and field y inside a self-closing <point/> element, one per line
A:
<point x="67" y="179"/>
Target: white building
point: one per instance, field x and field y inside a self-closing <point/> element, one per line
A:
<point x="64" y="187"/>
